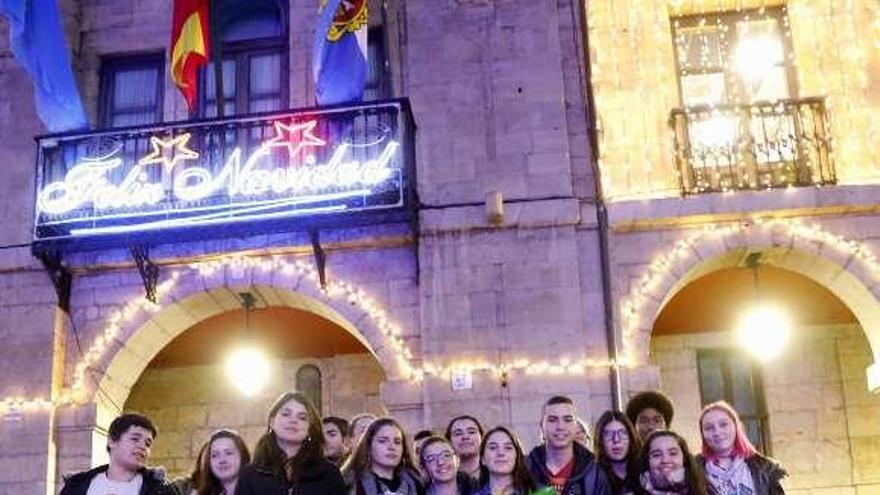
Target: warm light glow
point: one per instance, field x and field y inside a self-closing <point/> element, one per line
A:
<point x="756" y="56"/>
<point x="248" y="370"/>
<point x="764" y="332"/>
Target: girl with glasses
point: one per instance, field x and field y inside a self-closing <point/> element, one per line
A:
<point x="617" y="447"/>
<point x="440" y="465"/>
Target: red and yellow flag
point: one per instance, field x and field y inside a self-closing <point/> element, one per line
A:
<point x="189" y="45"/>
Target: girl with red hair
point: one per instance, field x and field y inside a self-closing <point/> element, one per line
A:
<point x="731" y="463"/>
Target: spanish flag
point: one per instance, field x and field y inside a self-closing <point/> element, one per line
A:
<point x="189" y="45"/>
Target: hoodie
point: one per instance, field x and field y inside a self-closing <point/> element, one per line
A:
<point x="586" y="476"/>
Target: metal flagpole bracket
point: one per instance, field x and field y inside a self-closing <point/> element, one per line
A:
<point x="60" y="276"/>
<point x="148" y="270"/>
<point x="320" y="257"/>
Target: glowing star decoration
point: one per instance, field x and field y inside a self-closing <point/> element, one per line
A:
<point x="175" y="147"/>
<point x="295" y="137"/>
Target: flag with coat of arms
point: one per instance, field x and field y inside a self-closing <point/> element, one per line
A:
<point x="339" y="58"/>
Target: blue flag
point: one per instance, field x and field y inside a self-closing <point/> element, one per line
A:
<point x="339" y="57"/>
<point x="37" y="41"/>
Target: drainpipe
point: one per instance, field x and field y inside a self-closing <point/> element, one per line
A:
<point x="602" y="221"/>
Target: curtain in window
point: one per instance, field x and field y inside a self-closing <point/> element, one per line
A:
<point x="134" y="97"/>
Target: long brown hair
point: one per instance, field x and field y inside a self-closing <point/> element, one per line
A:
<point x="268" y="455"/>
<point x="522" y="481"/>
<point x="693" y="474"/>
<point x="360" y="461"/>
<point x="204" y="480"/>
<point x="635" y="442"/>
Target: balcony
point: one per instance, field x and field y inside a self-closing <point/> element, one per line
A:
<point x="255" y="174"/>
<point x="767" y="145"/>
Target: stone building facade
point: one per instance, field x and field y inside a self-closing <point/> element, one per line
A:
<point x="507" y="311"/>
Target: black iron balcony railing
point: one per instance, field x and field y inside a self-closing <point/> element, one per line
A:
<point x="281" y="171"/>
<point x="757" y="146"/>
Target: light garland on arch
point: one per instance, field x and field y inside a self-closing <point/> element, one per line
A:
<point x="645" y="289"/>
<point x="631" y="307"/>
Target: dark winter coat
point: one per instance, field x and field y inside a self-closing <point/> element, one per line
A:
<point x="587" y="478"/>
<point x="154" y="482"/>
<point x="767" y="474"/>
<point x="320" y="477"/>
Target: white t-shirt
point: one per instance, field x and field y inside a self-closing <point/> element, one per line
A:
<point x="100" y="485"/>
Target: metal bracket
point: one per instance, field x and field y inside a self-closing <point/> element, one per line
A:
<point x="60" y="276"/>
<point x="148" y="270"/>
<point x="320" y="257"/>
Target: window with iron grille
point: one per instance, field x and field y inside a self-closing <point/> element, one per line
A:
<point x="729" y="375"/>
<point x="131" y="90"/>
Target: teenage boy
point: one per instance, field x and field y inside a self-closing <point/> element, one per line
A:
<point x="648" y="411"/>
<point x="465" y="433"/>
<point x="336" y="439"/>
<point x="561" y="463"/>
<point x="129" y="441"/>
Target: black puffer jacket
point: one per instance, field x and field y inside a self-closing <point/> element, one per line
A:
<point x="320" y="477"/>
<point x="587" y="478"/>
<point x="767" y="475"/>
<point x="154" y="481"/>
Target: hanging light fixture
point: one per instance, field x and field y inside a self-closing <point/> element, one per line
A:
<point x="764" y="330"/>
<point x="247" y="367"/>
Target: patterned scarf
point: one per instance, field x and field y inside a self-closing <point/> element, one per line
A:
<point x="735" y="480"/>
<point x="672" y="484"/>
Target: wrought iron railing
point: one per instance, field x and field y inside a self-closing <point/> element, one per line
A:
<point x="758" y="146"/>
<point x="255" y="173"/>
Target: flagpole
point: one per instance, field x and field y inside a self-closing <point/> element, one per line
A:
<point x="216" y="56"/>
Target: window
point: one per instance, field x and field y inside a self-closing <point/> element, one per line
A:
<point x="733" y="57"/>
<point x="131" y="90"/>
<point x="308" y="381"/>
<point x="727" y="374"/>
<point x="253" y="44"/>
<point x="377" y="86"/>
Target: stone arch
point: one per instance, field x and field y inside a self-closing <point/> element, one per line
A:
<point x="844" y="267"/>
<point x="197" y="293"/>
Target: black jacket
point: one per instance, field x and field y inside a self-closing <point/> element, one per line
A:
<point x="587" y="478"/>
<point x="767" y="474"/>
<point x="320" y="477"/>
<point x="154" y="482"/>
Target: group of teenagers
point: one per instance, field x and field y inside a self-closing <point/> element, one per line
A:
<point x="632" y="453"/>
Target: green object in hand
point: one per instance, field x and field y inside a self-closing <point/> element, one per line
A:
<point x="547" y="490"/>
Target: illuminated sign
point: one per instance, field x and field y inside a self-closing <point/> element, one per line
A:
<point x="201" y="176"/>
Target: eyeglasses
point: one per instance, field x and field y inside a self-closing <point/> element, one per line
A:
<point x="446" y="456"/>
<point x="615" y="435"/>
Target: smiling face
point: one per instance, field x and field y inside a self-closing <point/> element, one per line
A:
<point x="440" y="462"/>
<point x="499" y="456"/>
<point x="559" y="425"/>
<point x="386" y="449"/>
<point x="665" y="458"/>
<point x="465" y="437"/>
<point x="225" y="460"/>
<point x="719" y="431"/>
<point x="615" y="441"/>
<point x="291" y="423"/>
<point x="132" y="449"/>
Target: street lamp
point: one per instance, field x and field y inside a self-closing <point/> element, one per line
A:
<point x="764" y="330"/>
<point x="247" y="367"/>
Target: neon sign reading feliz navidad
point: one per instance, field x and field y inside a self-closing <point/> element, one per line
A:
<point x="258" y="185"/>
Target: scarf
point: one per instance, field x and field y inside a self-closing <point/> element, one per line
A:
<point x="735" y="480"/>
<point x="371" y="485"/>
<point x="672" y="484"/>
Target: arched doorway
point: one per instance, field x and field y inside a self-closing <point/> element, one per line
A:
<point x="186" y="391"/>
<point x="810" y="407"/>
